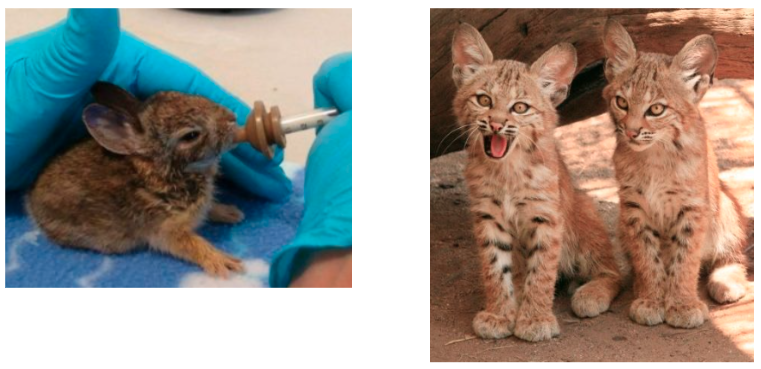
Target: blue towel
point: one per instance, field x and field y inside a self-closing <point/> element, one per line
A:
<point x="31" y="260"/>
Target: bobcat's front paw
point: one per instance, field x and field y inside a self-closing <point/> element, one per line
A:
<point x="590" y="300"/>
<point x="537" y="328"/>
<point x="689" y="314"/>
<point x="646" y="312"/>
<point x="488" y="325"/>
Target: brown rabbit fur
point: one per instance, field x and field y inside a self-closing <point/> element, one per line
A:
<point x="521" y="193"/>
<point x="147" y="178"/>
<point x="676" y="215"/>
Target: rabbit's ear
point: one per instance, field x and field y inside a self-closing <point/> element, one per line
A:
<point x="117" y="98"/>
<point x="115" y="130"/>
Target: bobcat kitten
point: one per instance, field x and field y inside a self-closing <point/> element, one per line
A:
<point x="530" y="223"/>
<point x="675" y="213"/>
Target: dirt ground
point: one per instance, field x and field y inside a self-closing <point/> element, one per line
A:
<point x="587" y="147"/>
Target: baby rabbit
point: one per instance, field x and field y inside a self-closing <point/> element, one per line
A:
<point x="147" y="178"/>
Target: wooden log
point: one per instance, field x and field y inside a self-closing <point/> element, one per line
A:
<point x="524" y="34"/>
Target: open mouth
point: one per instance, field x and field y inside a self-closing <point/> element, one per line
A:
<point x="496" y="146"/>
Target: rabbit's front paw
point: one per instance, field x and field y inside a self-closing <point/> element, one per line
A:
<point x="220" y="264"/>
<point x="222" y="213"/>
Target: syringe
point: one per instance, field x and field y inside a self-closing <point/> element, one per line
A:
<point x="264" y="129"/>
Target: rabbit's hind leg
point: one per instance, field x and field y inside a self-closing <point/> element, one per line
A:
<point x="222" y="213"/>
<point x="109" y="241"/>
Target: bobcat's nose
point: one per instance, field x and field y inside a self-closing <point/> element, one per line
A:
<point x="633" y="133"/>
<point x="495" y="126"/>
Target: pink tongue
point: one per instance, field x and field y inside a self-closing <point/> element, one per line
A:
<point x="498" y="146"/>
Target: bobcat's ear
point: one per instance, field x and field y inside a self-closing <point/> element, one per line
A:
<point x="695" y="64"/>
<point x="469" y="53"/>
<point x="619" y="49"/>
<point x="555" y="69"/>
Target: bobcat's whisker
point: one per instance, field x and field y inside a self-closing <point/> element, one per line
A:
<point x="470" y="135"/>
<point x="456" y="138"/>
<point x="453" y="131"/>
<point x="534" y="142"/>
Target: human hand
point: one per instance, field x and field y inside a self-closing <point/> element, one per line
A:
<point x="327" y="268"/>
<point x="327" y="188"/>
<point x="48" y="77"/>
<point x="332" y="83"/>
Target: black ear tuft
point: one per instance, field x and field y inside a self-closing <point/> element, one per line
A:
<point x="117" y="98"/>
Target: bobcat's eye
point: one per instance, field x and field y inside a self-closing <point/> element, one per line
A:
<point x="622" y="103"/>
<point x="520" y="108"/>
<point x="656" y="110"/>
<point x="484" y="100"/>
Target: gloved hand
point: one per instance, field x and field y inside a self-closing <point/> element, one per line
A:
<point x="48" y="77"/>
<point x="326" y="224"/>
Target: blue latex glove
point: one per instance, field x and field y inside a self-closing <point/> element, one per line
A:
<point x="48" y="77"/>
<point x="327" y="188"/>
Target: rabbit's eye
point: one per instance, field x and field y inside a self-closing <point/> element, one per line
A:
<point x="190" y="136"/>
